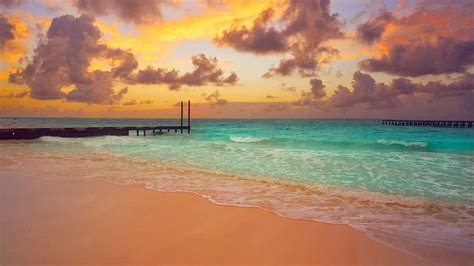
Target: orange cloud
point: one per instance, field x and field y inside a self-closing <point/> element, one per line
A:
<point x="430" y="40"/>
<point x="15" y="48"/>
<point x="429" y="26"/>
<point x="206" y="24"/>
<point x="146" y="47"/>
<point x="155" y="41"/>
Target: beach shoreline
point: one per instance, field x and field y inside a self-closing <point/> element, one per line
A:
<point x="71" y="221"/>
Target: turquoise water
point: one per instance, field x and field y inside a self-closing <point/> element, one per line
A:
<point x="397" y="184"/>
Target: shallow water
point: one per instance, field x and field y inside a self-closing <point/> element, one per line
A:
<point x="397" y="184"/>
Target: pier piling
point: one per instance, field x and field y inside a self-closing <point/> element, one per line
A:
<point x="428" y="123"/>
<point x="181" y="117"/>
<point x="189" y="117"/>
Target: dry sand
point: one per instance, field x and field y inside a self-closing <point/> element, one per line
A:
<point x="66" y="221"/>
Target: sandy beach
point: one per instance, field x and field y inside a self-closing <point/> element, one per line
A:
<point x="80" y="222"/>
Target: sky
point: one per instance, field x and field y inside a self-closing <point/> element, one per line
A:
<point x="404" y="59"/>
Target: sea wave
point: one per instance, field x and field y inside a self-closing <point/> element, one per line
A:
<point x="291" y="182"/>
<point x="247" y="139"/>
<point x="58" y="139"/>
<point x="383" y="216"/>
<point x="419" y="144"/>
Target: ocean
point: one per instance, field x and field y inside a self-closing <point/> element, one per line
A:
<point x="409" y="187"/>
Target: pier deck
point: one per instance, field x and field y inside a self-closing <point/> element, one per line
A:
<point x="80" y="132"/>
<point x="428" y="123"/>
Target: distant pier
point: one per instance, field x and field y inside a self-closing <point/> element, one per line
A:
<point x="428" y="123"/>
<point x="80" y="132"/>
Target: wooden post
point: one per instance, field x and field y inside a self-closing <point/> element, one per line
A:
<point x="138" y="132"/>
<point x="144" y="132"/>
<point x="189" y="117"/>
<point x="181" y="117"/>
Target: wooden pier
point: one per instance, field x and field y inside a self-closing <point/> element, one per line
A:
<point x="80" y="132"/>
<point x="428" y="123"/>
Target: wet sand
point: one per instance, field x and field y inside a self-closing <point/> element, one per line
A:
<point x="81" y="222"/>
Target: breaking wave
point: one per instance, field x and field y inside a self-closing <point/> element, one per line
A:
<point x="247" y="139"/>
<point x="419" y="144"/>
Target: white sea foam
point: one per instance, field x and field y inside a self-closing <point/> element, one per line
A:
<point x="384" y="216"/>
<point x="247" y="139"/>
<point x="420" y="144"/>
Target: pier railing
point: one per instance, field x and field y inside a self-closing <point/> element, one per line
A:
<point x="80" y="132"/>
<point x="428" y="123"/>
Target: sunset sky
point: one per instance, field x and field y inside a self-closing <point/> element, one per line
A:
<point x="238" y="58"/>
